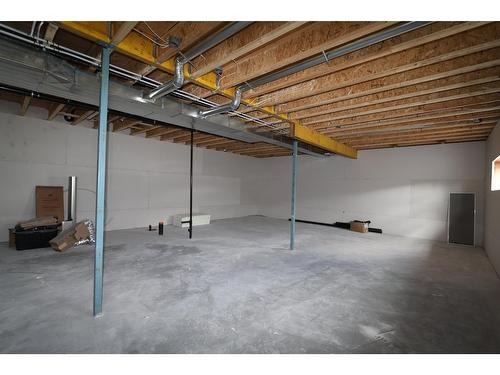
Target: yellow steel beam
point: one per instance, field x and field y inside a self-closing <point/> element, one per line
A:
<point x="133" y="45"/>
<point x="124" y="29"/>
<point x="140" y="48"/>
<point x="305" y="134"/>
<point x="89" y="30"/>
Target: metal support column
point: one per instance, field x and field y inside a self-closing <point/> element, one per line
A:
<point x="294" y="194"/>
<point x="191" y="188"/>
<point x="101" y="181"/>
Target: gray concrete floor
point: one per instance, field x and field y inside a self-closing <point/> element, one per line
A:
<point x="235" y="288"/>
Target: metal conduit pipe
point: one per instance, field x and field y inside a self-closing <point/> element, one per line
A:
<point x="233" y="106"/>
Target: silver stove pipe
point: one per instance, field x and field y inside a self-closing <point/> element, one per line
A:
<point x="72" y="198"/>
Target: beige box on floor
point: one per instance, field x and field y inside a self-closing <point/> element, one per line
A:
<point x="359" y="226"/>
<point x="70" y="237"/>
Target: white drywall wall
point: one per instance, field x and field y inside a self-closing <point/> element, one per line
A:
<point x="147" y="181"/>
<point x="404" y="191"/>
<point x="492" y="202"/>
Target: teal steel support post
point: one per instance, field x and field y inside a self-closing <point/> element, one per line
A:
<point x="294" y="195"/>
<point x="101" y="182"/>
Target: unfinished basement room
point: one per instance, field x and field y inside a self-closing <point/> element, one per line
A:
<point x="249" y="187"/>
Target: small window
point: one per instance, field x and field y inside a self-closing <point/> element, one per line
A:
<point x="495" y="174"/>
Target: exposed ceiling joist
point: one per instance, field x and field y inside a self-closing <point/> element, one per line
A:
<point x="406" y="104"/>
<point x="122" y="31"/>
<point x="125" y="124"/>
<point x="50" y="32"/>
<point x="219" y="143"/>
<point x="254" y="37"/>
<point x="388" y="129"/>
<point x="77" y="112"/>
<point x="160" y="131"/>
<point x="415" y="38"/>
<point x="308" y="41"/>
<point x="410" y="89"/>
<point x="145" y="128"/>
<point x="129" y="46"/>
<point x="319" y="92"/>
<point x="440" y="139"/>
<point x="54" y="110"/>
<point x="441" y="77"/>
<point x="421" y="134"/>
<point x="25" y="105"/>
<point x="84" y="116"/>
<point x="187" y="33"/>
<point x="173" y="134"/>
<point x="440" y="115"/>
<point x="463" y="104"/>
<point x="187" y="137"/>
<point x="212" y="141"/>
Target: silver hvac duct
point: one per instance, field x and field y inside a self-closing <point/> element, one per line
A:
<point x="72" y="198"/>
<point x="233" y="106"/>
<point x="172" y="85"/>
<point x="178" y="80"/>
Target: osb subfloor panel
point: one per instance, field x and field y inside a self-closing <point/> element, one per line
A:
<point x="236" y="288"/>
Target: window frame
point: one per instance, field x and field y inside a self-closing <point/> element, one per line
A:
<point x="495" y="174"/>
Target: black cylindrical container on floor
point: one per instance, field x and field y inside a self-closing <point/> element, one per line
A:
<point x="150" y="228"/>
<point x="160" y="228"/>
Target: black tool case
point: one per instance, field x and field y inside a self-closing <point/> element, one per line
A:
<point x="34" y="238"/>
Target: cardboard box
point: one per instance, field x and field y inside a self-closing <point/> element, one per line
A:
<point x="50" y="202"/>
<point x="37" y="222"/>
<point x="70" y="237"/>
<point x="359" y="226"/>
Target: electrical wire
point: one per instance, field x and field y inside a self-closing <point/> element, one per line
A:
<point x="156" y="34"/>
<point x="164" y="44"/>
<point x="161" y="45"/>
